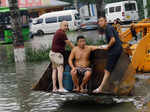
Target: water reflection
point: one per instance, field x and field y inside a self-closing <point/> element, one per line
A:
<point x="95" y="107"/>
<point x="16" y="95"/>
<point x="15" y="90"/>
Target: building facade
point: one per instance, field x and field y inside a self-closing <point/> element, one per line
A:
<point x="23" y="3"/>
<point x="38" y="7"/>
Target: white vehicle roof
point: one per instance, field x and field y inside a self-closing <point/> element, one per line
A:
<point x="59" y="13"/>
<point x="118" y="3"/>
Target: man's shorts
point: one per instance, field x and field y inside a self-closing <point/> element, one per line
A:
<point x="112" y="61"/>
<point x="82" y="70"/>
<point x="57" y="59"/>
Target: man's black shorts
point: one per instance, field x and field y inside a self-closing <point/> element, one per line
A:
<point x="112" y="60"/>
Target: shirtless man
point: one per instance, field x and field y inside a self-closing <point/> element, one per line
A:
<point x="81" y="55"/>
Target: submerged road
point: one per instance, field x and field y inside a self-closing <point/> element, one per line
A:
<point x="16" y="94"/>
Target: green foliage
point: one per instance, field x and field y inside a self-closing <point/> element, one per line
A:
<point x="33" y="55"/>
<point x="42" y="54"/>
<point x="140" y="8"/>
<point x="100" y="42"/>
<point x="148" y="7"/>
<point x="10" y="54"/>
<point x="89" y="42"/>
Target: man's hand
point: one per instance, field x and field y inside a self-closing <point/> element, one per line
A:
<point x="105" y="47"/>
<point x="73" y="69"/>
<point x="69" y="43"/>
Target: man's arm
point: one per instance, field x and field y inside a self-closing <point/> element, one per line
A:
<point x="94" y="47"/>
<point x="71" y="57"/>
<point x="111" y="37"/>
<point x="68" y="42"/>
<point x="111" y="43"/>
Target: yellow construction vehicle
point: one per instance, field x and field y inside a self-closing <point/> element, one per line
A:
<point x="140" y="51"/>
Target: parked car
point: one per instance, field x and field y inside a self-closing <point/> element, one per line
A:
<point x="126" y="11"/>
<point x="50" y="22"/>
<point x="31" y="22"/>
<point x="89" y="23"/>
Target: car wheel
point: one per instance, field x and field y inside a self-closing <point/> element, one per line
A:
<point x="40" y="33"/>
<point x="31" y="35"/>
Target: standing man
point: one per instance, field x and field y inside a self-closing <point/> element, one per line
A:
<point x="114" y="49"/>
<point x="56" y="55"/>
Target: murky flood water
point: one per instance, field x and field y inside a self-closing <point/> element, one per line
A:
<point x="16" y="95"/>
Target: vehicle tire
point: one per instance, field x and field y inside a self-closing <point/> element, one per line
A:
<point x="40" y="32"/>
<point x="31" y="35"/>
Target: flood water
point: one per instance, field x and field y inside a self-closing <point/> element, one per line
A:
<point x="16" y="95"/>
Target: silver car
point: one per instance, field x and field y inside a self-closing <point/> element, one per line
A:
<point x="88" y="23"/>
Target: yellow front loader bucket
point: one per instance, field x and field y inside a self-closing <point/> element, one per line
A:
<point x="141" y="56"/>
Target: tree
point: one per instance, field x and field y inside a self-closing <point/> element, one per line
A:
<point x="100" y="8"/>
<point x="18" y="42"/>
<point x="148" y="7"/>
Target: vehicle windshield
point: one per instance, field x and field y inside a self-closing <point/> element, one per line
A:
<point x="130" y="7"/>
<point x="77" y="17"/>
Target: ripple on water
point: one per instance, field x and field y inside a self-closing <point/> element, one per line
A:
<point x="16" y="95"/>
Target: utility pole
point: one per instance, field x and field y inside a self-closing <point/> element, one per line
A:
<point x="145" y="9"/>
<point x="18" y="42"/>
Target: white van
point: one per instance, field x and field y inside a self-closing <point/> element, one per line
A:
<point x="125" y="11"/>
<point x="50" y="22"/>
